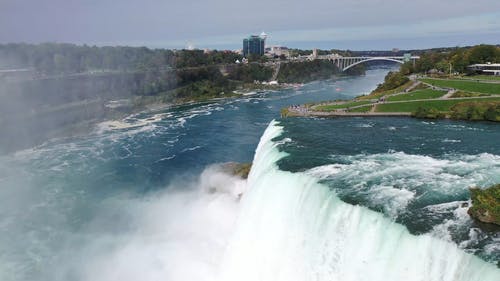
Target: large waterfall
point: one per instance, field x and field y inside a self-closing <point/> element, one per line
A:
<point x="292" y="228"/>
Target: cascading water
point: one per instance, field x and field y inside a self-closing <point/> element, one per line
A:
<point x="128" y="202"/>
<point x="292" y="228"/>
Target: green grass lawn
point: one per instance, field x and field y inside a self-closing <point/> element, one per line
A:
<point x="376" y="95"/>
<point x="417" y="95"/>
<point x="461" y="94"/>
<point x="441" y="105"/>
<point x="482" y="77"/>
<point x="338" y="106"/>
<point x="361" y="109"/>
<point x="469" y="86"/>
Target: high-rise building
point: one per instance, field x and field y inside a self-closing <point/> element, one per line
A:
<point x="254" y="45"/>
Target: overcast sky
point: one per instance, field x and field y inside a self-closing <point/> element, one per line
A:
<point x="346" y="24"/>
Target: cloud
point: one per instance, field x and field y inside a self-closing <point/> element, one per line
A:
<point x="168" y="23"/>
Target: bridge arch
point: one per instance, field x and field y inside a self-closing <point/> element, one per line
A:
<point x="372" y="59"/>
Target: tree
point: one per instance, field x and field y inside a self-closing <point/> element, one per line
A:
<point x="483" y="54"/>
<point x="392" y="80"/>
<point x="492" y="113"/>
<point x="407" y="68"/>
<point x="474" y="113"/>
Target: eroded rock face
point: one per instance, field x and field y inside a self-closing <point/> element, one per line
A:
<point x="486" y="204"/>
<point x="238" y="169"/>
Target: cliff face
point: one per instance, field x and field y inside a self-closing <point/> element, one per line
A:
<point x="486" y="204"/>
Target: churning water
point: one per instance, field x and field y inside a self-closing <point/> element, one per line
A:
<point x="327" y="199"/>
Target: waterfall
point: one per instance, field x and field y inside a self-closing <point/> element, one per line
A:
<point x="292" y="228"/>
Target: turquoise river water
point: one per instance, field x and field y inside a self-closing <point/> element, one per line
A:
<point x="327" y="199"/>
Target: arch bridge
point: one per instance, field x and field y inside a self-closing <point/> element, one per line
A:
<point x="344" y="63"/>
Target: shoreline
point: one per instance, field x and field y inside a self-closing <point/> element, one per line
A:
<point x="292" y="113"/>
<point x="420" y="101"/>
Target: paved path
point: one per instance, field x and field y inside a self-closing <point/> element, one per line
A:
<point x="466" y="80"/>
<point x="449" y="94"/>
<point x="305" y="111"/>
<point x="302" y="110"/>
<point x="347" y="114"/>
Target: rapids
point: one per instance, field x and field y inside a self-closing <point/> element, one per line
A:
<point x="327" y="199"/>
<point x="292" y="228"/>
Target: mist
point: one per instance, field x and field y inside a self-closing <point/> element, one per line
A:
<point x="63" y="90"/>
<point x="179" y="233"/>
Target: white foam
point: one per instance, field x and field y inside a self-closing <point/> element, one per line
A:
<point x="291" y="228"/>
<point x="326" y="171"/>
<point x="365" y="125"/>
<point x="451" y="141"/>
<point x="394" y="177"/>
<point x="191" y="148"/>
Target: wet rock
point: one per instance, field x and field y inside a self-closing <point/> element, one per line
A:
<point x="238" y="169"/>
<point x="486" y="204"/>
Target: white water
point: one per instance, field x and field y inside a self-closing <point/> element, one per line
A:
<point x="177" y="234"/>
<point x="286" y="227"/>
<point x="292" y="228"/>
<point x="391" y="180"/>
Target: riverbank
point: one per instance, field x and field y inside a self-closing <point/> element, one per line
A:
<point x="421" y="98"/>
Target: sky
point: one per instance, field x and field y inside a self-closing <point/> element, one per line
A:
<point x="222" y="24"/>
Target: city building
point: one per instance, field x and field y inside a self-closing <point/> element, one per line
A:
<point x="254" y="45"/>
<point x="277" y="51"/>
<point x="486" y="68"/>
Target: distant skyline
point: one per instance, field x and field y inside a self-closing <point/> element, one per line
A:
<point x="222" y="24"/>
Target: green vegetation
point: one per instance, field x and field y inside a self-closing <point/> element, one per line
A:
<point x="481" y="77"/>
<point x="461" y="94"/>
<point x="473" y="101"/>
<point x="378" y="94"/>
<point x="457" y="58"/>
<point x="204" y="89"/>
<point x="469" y="86"/>
<point x="486" y="204"/>
<point x="361" y="109"/>
<point x="251" y="72"/>
<point x="430" y="113"/>
<point x="440" y="105"/>
<point x="168" y="75"/>
<point x="417" y="95"/>
<point x="306" y="71"/>
<point x="53" y="58"/>
<point x="339" y="106"/>
<point x="392" y="81"/>
<point x="420" y="86"/>
<point x="476" y="111"/>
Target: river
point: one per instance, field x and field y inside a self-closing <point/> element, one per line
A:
<point x="327" y="199"/>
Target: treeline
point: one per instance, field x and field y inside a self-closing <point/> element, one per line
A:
<point x="301" y="52"/>
<point x="473" y="111"/>
<point x="476" y="111"/>
<point x="307" y="71"/>
<point x="251" y="72"/>
<point x="458" y="59"/>
<point x="193" y="58"/>
<point x="54" y="58"/>
<point x="392" y="80"/>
